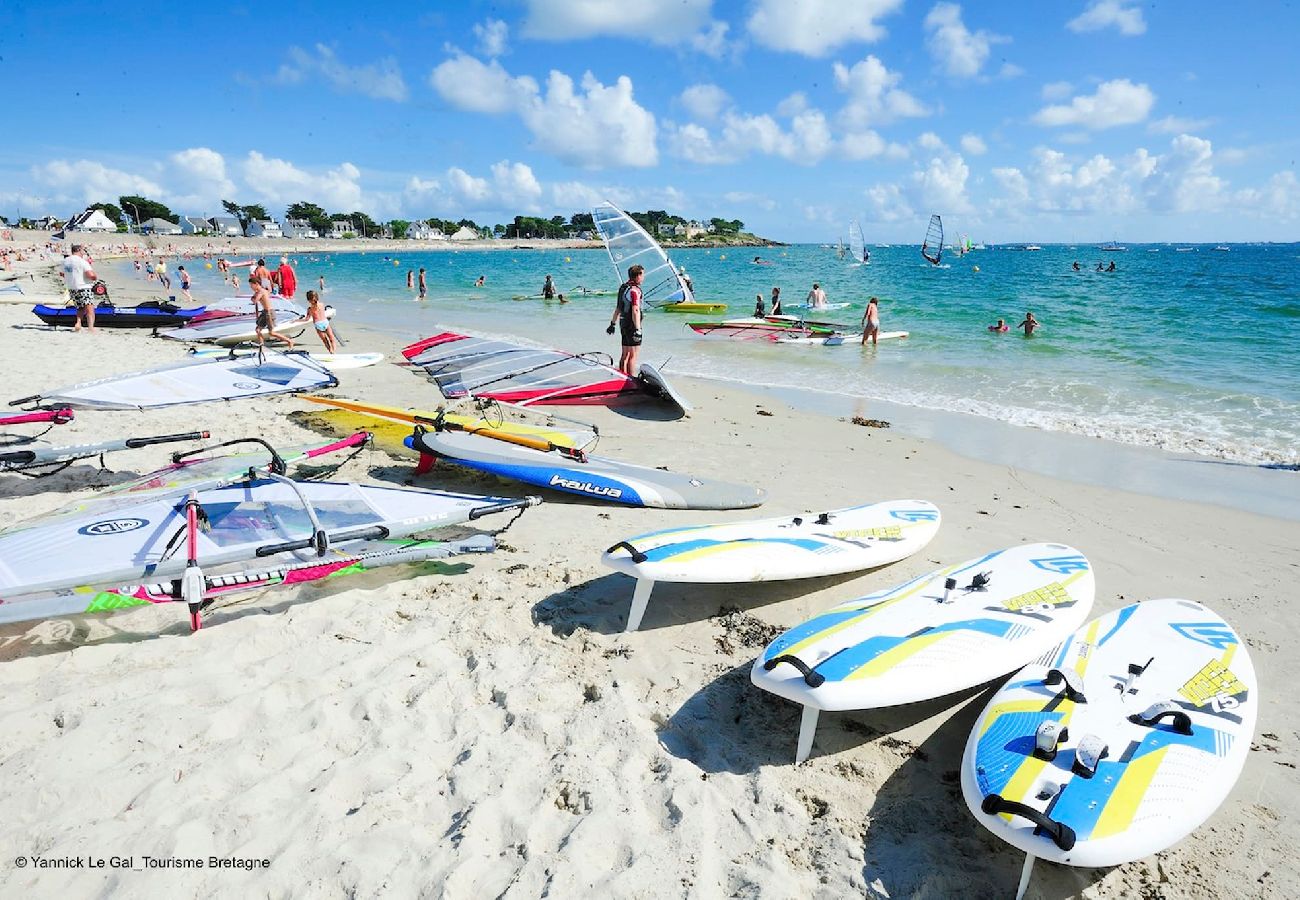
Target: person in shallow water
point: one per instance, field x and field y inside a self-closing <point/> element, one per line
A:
<point x="759" y="312"/>
<point x="1000" y="327"/>
<point x="1029" y="325"/>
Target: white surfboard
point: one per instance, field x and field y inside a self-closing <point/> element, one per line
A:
<point x="328" y="360"/>
<point x="836" y="340"/>
<point x="937" y="634"/>
<point x="775" y="549"/>
<point x="1118" y="742"/>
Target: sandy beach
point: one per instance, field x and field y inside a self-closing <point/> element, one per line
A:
<point x="492" y="732"/>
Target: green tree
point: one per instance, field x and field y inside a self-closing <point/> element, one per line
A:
<point x="369" y="227"/>
<point x="399" y="227"/>
<point x="310" y="213"/>
<point x="582" y="222"/>
<point x="245" y="214"/>
<point x="142" y="209"/>
<point x="499" y="230"/>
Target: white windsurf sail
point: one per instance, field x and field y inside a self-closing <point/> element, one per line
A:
<point x="629" y="244"/>
<point x="195" y="382"/>
<point x="932" y="247"/>
<point x="858" y="243"/>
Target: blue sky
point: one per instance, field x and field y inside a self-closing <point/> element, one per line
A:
<point x="1077" y="120"/>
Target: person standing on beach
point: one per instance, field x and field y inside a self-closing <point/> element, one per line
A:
<point x="1030" y="324"/>
<point x="80" y="279"/>
<point x="816" y="297"/>
<point x="321" y="323"/>
<point x="871" y="322"/>
<point x="424" y="286"/>
<point x="627" y="318"/>
<point x="288" y="279"/>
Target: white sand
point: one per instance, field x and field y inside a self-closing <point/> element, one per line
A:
<point x="493" y="733"/>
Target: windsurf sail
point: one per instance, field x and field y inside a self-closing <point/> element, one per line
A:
<point x="858" y="243"/>
<point x="932" y="247"/>
<point x="260" y="518"/>
<point x="464" y="366"/>
<point x="56" y="459"/>
<point x="628" y="244"/>
<point x="195" y="381"/>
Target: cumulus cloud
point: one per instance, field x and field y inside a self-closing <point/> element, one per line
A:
<point x="746" y="198"/>
<point x="973" y="144"/>
<point x="959" y="50"/>
<point x="381" y="80"/>
<point x="671" y="24"/>
<point x="873" y="95"/>
<point x="818" y="27"/>
<point x="1123" y="15"/>
<point x="868" y="144"/>
<point x="807" y="140"/>
<point x="199" y="177"/>
<point x="279" y="182"/>
<point x="704" y="101"/>
<point x="593" y="126"/>
<point x="1119" y="102"/>
<point x="492" y="35"/>
<point x="84" y="181"/>
<point x="1057" y="90"/>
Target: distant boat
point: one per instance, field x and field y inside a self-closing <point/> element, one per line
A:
<point x="1223" y="248"/>
<point x="1153" y="249"/>
<point x="1112" y="247"/>
<point x="1184" y="249"/>
<point x="1032" y="247"/>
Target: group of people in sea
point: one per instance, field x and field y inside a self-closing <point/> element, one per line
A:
<point x="1101" y="267"/>
<point x="1028" y="325"/>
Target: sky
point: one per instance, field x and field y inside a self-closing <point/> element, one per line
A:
<point x="1076" y="120"/>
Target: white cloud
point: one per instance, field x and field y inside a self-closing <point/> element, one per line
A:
<point x="873" y="96"/>
<point x="1178" y="125"/>
<point x="806" y="142"/>
<point x="1119" y="102"/>
<point x="1010" y="70"/>
<point x="973" y="144"/>
<point x="279" y="182"/>
<point x="492" y="35"/>
<point x="381" y="80"/>
<point x="1123" y="15"/>
<point x="1184" y="179"/>
<point x="1278" y="199"/>
<point x="470" y="84"/>
<point x="941" y="184"/>
<point x="793" y="104"/>
<point x="818" y="27"/>
<point x="659" y="23"/>
<point x="1057" y="90"/>
<point x="887" y="203"/>
<point x="961" y="51"/>
<point x="84" y="181"/>
<point x="868" y="144"/>
<point x="930" y="141"/>
<point x="508" y="187"/>
<point x="199" y="178"/>
<point x="594" y="127"/>
<point x="713" y="40"/>
<point x="704" y="101"/>
<point x="744" y="197"/>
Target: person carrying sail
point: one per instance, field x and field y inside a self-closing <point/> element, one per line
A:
<point x="627" y="318"/>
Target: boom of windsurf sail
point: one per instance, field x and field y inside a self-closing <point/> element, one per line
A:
<point x="628" y="244"/>
<point x="59" y="416"/>
<point x="46" y="457"/>
<point x="932" y="247"/>
<point x="265" y="517"/>
<point x="465" y="366"/>
<point x="858" y="243"/>
<point x="194" y="381"/>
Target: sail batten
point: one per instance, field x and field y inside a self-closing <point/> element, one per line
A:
<point x="932" y="247"/>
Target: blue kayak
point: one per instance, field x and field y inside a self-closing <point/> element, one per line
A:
<point x="152" y="314"/>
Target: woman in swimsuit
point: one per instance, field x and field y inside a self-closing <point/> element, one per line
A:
<point x="320" y="320"/>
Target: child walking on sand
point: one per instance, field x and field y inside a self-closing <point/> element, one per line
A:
<point x="320" y="320"/>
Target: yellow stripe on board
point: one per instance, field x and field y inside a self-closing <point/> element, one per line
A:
<point x="1118" y="813"/>
<point x="1012" y="706"/>
<point x="895" y="655"/>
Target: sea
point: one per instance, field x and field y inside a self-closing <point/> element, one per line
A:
<point x="1183" y="347"/>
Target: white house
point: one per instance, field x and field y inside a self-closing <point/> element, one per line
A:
<point x="45" y="223"/>
<point x="91" y="220"/>
<point x="264" y="228"/>
<point x="297" y="228"/>
<point x="338" y="229"/>
<point x="465" y="234"/>
<point x="195" y="225"/>
<point x="227" y="226"/>
<point x="418" y="231"/>
<point x="157" y="225"/>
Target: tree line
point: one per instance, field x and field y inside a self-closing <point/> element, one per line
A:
<point x="133" y="210"/>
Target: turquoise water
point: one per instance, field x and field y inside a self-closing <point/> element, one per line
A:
<point x="1187" y="351"/>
